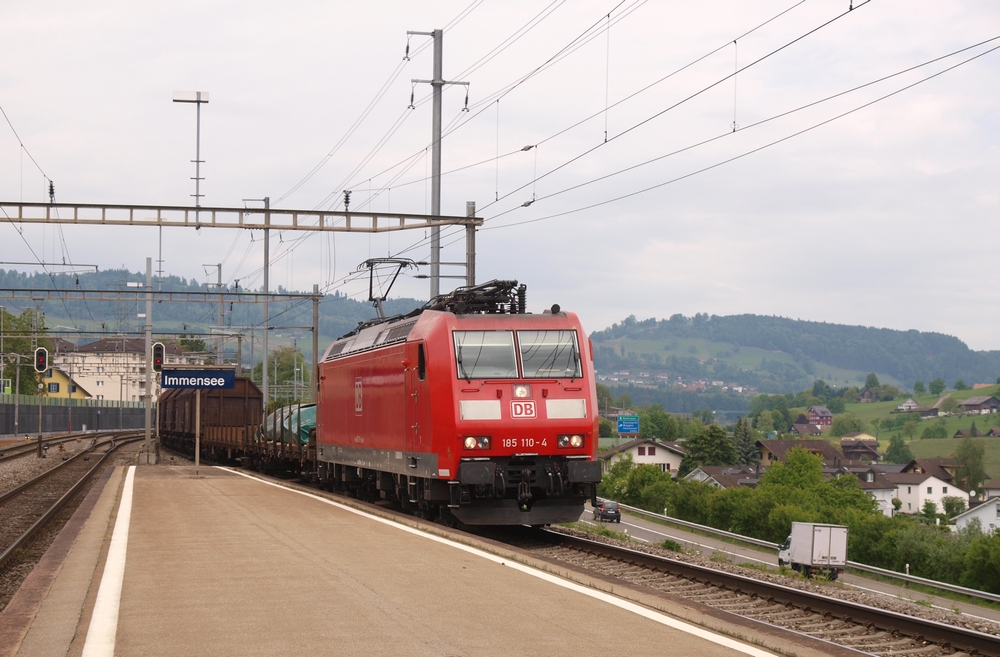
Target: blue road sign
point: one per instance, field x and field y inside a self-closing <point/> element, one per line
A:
<point x="628" y="424"/>
<point x="205" y="379"/>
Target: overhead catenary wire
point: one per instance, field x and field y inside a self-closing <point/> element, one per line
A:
<point x="728" y="133"/>
<point x="745" y="153"/>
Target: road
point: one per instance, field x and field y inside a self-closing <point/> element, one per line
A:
<point x="646" y="531"/>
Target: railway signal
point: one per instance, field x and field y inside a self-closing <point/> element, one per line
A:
<point x="41" y="359"/>
<point x="157" y="356"/>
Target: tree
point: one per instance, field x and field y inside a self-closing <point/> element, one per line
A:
<point x="845" y="423"/>
<point x="961" y="385"/>
<point x="604" y="398"/>
<point x="877" y="426"/>
<point x="937" y="386"/>
<point x="949" y="405"/>
<point x="746" y="443"/>
<point x="937" y="430"/>
<point x="919" y="387"/>
<point x="710" y="446"/>
<point x="889" y="393"/>
<point x="930" y="509"/>
<point x="899" y="451"/>
<point x="872" y="381"/>
<point x="17" y="331"/>
<point x="969" y="456"/>
<point x="953" y="505"/>
<point x="765" y="423"/>
<point x="836" y="405"/>
<point x="606" y="429"/>
<point x="910" y="429"/>
<point x="821" y="389"/>
<point x="974" y="430"/>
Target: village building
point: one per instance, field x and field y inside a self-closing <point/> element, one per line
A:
<point x="868" y="396"/>
<point x="914" y="489"/>
<point x="858" y="446"/>
<point x="988" y="514"/>
<point x="114" y="369"/>
<point x="666" y="455"/>
<point x="726" y="476"/>
<point x="59" y="385"/>
<point x="991" y="488"/>
<point x="820" y="415"/>
<point x="982" y="405"/>
<point x="772" y="451"/>
<point x="908" y="406"/>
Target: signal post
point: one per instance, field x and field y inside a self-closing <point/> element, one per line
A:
<point x="41" y="366"/>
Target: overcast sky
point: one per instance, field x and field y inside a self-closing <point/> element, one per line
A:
<point x="886" y="216"/>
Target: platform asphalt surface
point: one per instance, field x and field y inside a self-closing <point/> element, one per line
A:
<point x="647" y="531"/>
<point x="219" y="563"/>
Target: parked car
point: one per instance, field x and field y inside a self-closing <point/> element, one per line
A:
<point x="607" y="511"/>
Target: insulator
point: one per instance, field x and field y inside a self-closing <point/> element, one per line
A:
<point x="522" y="297"/>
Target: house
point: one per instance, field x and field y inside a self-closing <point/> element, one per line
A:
<point x="772" y="451"/>
<point x="991" y="488"/>
<point x="820" y="415"/>
<point x="981" y="405"/>
<point x="59" y="385"/>
<point x="726" y="476"/>
<point x="860" y="447"/>
<point x="927" y="412"/>
<point x="914" y="489"/>
<point x="875" y="483"/>
<point x="802" y="429"/>
<point x="908" y="406"/>
<point x="943" y="469"/>
<point x="114" y="369"/>
<point x="667" y="455"/>
<point x="992" y="433"/>
<point x="868" y="396"/>
<point x="988" y="514"/>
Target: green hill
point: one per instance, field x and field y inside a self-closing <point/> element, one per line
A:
<point x="778" y="355"/>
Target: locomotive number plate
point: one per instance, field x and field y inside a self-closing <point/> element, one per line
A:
<point x="522" y="409"/>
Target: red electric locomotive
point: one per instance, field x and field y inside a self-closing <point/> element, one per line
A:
<point x="468" y="409"/>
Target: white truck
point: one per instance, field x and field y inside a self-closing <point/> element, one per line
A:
<point x="814" y="548"/>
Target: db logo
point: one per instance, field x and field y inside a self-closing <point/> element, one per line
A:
<point x="522" y="409"/>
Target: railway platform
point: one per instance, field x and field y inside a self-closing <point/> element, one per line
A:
<point x="166" y="561"/>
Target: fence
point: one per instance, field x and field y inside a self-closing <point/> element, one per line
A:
<point x="853" y="565"/>
<point x="19" y="414"/>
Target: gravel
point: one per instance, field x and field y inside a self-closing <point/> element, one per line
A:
<point x="15" y="472"/>
<point x="15" y="573"/>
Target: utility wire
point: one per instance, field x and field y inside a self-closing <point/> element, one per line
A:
<point x="746" y="153"/>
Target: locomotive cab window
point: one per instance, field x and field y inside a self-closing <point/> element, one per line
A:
<point x="485" y="355"/>
<point x="549" y="354"/>
<point x="421" y="362"/>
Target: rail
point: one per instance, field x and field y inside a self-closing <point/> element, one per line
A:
<point x="853" y="565"/>
<point x="917" y="628"/>
<point x="23" y="539"/>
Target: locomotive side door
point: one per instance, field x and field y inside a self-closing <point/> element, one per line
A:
<point x="415" y="406"/>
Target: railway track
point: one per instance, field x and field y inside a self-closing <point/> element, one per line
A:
<point x="849" y="624"/>
<point x="29" y="448"/>
<point x="27" y="509"/>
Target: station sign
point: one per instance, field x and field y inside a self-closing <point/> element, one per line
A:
<point x="628" y="424"/>
<point x="214" y="379"/>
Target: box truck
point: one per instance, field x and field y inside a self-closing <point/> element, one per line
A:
<point x="814" y="548"/>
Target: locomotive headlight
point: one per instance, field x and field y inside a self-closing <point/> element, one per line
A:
<point x="522" y="391"/>
<point x="569" y="441"/>
<point x="476" y="442"/>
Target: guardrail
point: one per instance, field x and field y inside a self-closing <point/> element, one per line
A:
<point x="854" y="565"/>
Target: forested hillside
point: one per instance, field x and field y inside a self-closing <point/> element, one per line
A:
<point x="810" y="349"/>
<point x="338" y="313"/>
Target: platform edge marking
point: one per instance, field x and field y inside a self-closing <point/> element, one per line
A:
<point x="649" y="614"/>
<point x="103" y="628"/>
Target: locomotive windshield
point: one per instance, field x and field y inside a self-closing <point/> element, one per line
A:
<point x="485" y="354"/>
<point x="549" y="354"/>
